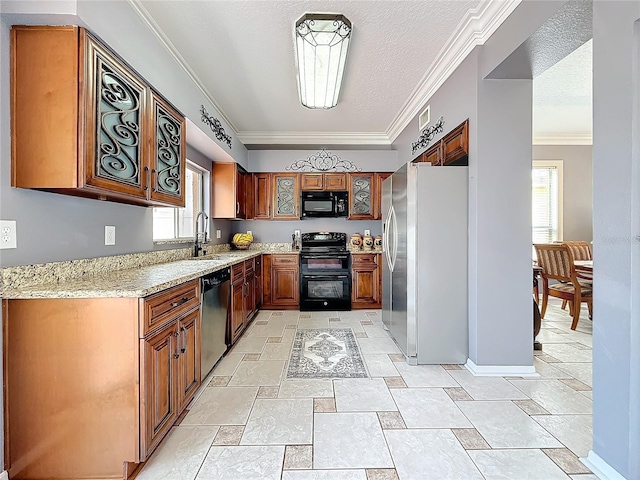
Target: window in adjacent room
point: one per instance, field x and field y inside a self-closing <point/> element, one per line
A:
<point x="547" y="201"/>
<point x="175" y="223"/>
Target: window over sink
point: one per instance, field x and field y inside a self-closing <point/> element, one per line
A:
<point x="177" y="223"/>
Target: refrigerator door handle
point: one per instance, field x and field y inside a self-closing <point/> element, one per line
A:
<point x="385" y="238"/>
<point x="393" y="255"/>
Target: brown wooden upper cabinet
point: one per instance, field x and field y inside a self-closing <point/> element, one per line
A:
<point x="84" y="123"/>
<point x="286" y="196"/>
<point x="452" y="149"/>
<point x="323" y="181"/>
<point x="379" y="178"/>
<point x="261" y="196"/>
<point x="361" y="196"/>
<point x="229" y="191"/>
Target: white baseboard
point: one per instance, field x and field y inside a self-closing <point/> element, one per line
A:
<point x="4" y="475"/>
<point x="602" y="469"/>
<point x="500" y="370"/>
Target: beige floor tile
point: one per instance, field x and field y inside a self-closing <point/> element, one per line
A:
<point x="566" y="460"/>
<point x="396" y="357"/>
<point x="391" y="420"/>
<point x="301" y="388"/>
<point x="242" y="463"/>
<point x="332" y="450"/>
<point x="487" y="388"/>
<point x="222" y="406"/>
<point x="180" y="455"/>
<point x="395" y="382"/>
<point x="426" y="375"/>
<point x="380" y="366"/>
<point x="574" y="431"/>
<point x="452" y="367"/>
<point x="298" y="457"/>
<point x="428" y="408"/>
<point x="429" y="454"/>
<point x="324" y="475"/>
<point x="377" y="345"/>
<point x="229" y="435"/>
<point x="260" y="373"/>
<point x="268" y="392"/>
<point x="363" y="395"/>
<point x="382" y="474"/>
<point x="249" y="345"/>
<point x="276" y="351"/>
<point x="251" y="357"/>
<point x="470" y="439"/>
<point x="279" y="421"/>
<point x="324" y="405"/>
<point x="529" y="464"/>
<point x="576" y="385"/>
<point x="554" y="396"/>
<point x="531" y="407"/>
<point x="219" y="381"/>
<point x="457" y="394"/>
<point x="227" y="366"/>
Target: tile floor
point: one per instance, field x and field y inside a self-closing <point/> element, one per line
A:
<point x="404" y="423"/>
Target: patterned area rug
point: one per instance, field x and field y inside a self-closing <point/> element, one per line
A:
<point x="326" y="353"/>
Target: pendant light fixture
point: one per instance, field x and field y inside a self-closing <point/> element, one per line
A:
<point x="322" y="41"/>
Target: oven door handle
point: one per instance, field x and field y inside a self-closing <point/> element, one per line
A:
<point x="313" y="256"/>
<point x="328" y="277"/>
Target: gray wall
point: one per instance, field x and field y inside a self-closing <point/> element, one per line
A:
<point x="54" y="227"/>
<point x="616" y="236"/>
<point x="577" y="187"/>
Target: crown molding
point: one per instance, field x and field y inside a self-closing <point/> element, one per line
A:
<point x="146" y="17"/>
<point x="564" y="139"/>
<point x="313" y="138"/>
<point x="476" y="27"/>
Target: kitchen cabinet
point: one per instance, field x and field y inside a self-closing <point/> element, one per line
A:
<point x="84" y="123"/>
<point x="262" y="196"/>
<point x="323" y="181"/>
<point x="281" y="281"/>
<point x="361" y="196"/>
<point x="366" y="279"/>
<point x="286" y="196"/>
<point x="452" y="149"/>
<point x="243" y="297"/>
<point x="379" y="178"/>
<point x="87" y="375"/>
<point x="228" y="191"/>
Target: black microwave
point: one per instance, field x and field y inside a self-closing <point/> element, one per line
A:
<point x="324" y="204"/>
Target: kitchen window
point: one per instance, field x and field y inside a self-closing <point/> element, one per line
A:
<point x="177" y="223"/>
<point x="547" y="201"/>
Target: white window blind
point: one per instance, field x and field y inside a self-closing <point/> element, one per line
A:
<point x="547" y="201"/>
<point x="170" y="223"/>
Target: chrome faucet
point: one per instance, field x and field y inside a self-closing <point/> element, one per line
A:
<point x="201" y="236"/>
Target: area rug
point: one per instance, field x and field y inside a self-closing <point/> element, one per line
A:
<point x="326" y="353"/>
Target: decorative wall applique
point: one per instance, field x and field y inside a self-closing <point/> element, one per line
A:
<point x="323" y="161"/>
<point x="216" y="126"/>
<point x="427" y="135"/>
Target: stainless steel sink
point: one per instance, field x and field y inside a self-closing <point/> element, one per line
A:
<point x="207" y="257"/>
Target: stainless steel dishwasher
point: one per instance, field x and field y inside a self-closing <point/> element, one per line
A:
<point x="214" y="311"/>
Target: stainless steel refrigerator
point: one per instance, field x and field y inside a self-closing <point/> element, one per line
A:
<point x="425" y="243"/>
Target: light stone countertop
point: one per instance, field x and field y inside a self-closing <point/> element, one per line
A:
<point x="134" y="282"/>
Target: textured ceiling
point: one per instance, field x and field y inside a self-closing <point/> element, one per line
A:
<point x="243" y="53"/>
<point x="562" y="100"/>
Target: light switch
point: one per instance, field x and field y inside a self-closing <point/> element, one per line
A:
<point x="218" y="233"/>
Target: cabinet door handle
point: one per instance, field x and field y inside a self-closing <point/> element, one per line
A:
<point x="237" y="207"/>
<point x="148" y="180"/>
<point x="183" y="331"/>
<point x="180" y="302"/>
<point x="176" y="355"/>
<point x="153" y="171"/>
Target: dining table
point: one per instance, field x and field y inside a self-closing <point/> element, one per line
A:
<point x="585" y="266"/>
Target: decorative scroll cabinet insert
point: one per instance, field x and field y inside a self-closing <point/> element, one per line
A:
<point x="84" y="123"/>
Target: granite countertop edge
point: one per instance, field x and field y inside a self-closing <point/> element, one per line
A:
<point x="133" y="283"/>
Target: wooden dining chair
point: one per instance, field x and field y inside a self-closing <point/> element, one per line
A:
<point x="581" y="250"/>
<point x="556" y="261"/>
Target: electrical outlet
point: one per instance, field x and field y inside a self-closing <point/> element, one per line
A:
<point x="367" y="232"/>
<point x="218" y="233"/>
<point x="8" y="237"/>
<point x="249" y="232"/>
<point x="109" y="235"/>
<point x="296" y="233"/>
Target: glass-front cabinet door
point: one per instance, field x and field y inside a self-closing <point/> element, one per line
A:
<point x="115" y="124"/>
<point x="286" y="196"/>
<point x="361" y="188"/>
<point x="168" y="155"/>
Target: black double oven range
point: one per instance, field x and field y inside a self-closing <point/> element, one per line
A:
<point x="325" y="272"/>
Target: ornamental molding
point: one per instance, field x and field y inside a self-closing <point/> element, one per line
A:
<point x="427" y="135"/>
<point x="323" y="161"/>
<point x="215" y="125"/>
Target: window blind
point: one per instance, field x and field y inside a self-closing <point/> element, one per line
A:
<point x="545" y="203"/>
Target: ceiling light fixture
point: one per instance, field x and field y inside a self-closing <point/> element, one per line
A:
<point x="322" y="41"/>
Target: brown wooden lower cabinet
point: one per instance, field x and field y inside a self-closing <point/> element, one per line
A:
<point x="366" y="275"/>
<point x="244" y="300"/>
<point x="88" y="393"/>
<point x="281" y="281"/>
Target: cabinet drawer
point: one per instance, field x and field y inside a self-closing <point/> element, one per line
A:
<point x="169" y="304"/>
<point x="237" y="272"/>
<point x="249" y="266"/>
<point x="284" y="260"/>
<point x="365" y="259"/>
